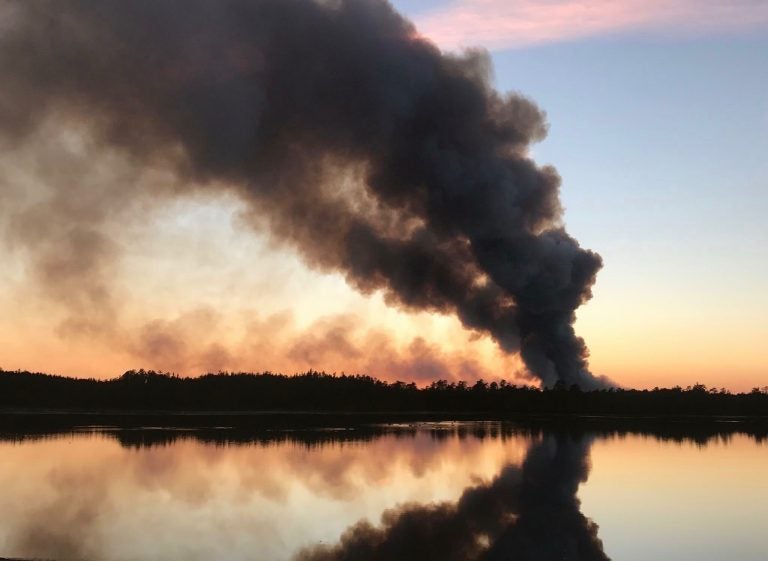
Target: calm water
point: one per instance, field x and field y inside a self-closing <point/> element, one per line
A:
<point x="443" y="491"/>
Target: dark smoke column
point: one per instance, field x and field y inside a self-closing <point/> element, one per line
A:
<point x="360" y="144"/>
<point x="524" y="514"/>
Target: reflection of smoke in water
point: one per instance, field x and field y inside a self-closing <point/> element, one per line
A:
<point x="529" y="513"/>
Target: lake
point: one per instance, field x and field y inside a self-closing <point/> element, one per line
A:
<point x="443" y="491"/>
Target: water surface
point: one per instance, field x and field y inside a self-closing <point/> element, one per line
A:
<point x="443" y="491"/>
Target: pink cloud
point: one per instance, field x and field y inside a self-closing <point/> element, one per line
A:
<point x="499" y="24"/>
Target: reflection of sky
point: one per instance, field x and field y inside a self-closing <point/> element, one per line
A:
<point x="657" y="500"/>
<point x="86" y="496"/>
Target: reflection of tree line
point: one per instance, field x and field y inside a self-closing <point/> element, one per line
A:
<point x="527" y="513"/>
<point x="136" y="435"/>
<point x="315" y="391"/>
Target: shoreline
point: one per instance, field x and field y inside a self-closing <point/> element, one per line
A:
<point x="56" y="420"/>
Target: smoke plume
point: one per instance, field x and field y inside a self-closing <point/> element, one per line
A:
<point x="352" y="139"/>
<point x="190" y="343"/>
<point x="528" y="514"/>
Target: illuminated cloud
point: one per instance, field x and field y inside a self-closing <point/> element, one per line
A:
<point x="500" y="24"/>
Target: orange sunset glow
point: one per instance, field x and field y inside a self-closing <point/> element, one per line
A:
<point x="383" y="280"/>
<point x="197" y="289"/>
<point x="167" y="250"/>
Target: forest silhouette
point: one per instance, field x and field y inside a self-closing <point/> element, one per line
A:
<point x="313" y="391"/>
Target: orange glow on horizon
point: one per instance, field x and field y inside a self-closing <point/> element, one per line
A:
<point x="198" y="291"/>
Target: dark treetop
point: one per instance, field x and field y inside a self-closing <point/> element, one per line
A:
<point x="320" y="392"/>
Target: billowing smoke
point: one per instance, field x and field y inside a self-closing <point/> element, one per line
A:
<point x="528" y="514"/>
<point x="352" y="139"/>
<point x="189" y="343"/>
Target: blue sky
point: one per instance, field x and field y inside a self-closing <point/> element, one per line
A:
<point x="661" y="137"/>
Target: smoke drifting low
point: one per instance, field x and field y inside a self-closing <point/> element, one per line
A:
<point x="356" y="142"/>
<point x="528" y="514"/>
<point x="189" y="343"/>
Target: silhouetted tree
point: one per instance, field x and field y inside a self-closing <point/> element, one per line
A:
<point x="147" y="390"/>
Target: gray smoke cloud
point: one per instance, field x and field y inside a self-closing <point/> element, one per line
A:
<point x="526" y="514"/>
<point x="356" y="142"/>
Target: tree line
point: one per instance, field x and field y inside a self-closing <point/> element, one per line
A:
<point x="147" y="390"/>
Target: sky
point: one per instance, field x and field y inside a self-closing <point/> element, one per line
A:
<point x="658" y="119"/>
<point x="658" y="126"/>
